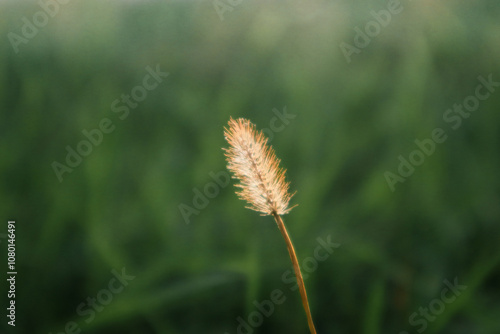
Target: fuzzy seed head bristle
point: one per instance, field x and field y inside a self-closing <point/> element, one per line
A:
<point x="254" y="164"/>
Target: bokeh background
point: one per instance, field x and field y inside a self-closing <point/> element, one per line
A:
<point x="349" y="121"/>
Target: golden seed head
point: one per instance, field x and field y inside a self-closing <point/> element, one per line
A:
<point x="254" y="164"/>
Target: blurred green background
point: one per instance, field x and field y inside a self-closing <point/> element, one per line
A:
<point x="121" y="206"/>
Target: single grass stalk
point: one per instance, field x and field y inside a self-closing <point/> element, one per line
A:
<point x="262" y="185"/>
<point x="296" y="268"/>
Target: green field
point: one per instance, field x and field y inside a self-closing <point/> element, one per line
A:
<point x="385" y="115"/>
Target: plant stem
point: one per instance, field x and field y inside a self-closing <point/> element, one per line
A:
<point x="296" y="267"/>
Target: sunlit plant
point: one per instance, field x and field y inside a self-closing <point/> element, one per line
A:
<point x="262" y="184"/>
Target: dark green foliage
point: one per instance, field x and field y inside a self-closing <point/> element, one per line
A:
<point x="120" y="206"/>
